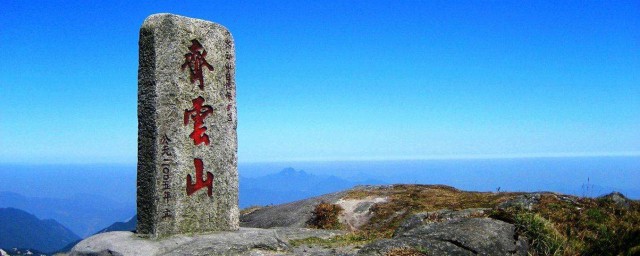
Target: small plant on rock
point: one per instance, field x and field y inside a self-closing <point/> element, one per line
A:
<point x="325" y="216"/>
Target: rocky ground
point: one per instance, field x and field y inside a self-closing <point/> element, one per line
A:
<point x="246" y="241"/>
<point x="410" y="220"/>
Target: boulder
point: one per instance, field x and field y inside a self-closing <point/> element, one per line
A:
<point x="422" y="218"/>
<point x="459" y="236"/>
<point x="619" y="199"/>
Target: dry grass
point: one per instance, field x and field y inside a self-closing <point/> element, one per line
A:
<point x="405" y="252"/>
<point x="566" y="225"/>
<point x="249" y="210"/>
<point x="356" y="238"/>
<point x="405" y="200"/>
<point x="325" y="216"/>
<point x="557" y="225"/>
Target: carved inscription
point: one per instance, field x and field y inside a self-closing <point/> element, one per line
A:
<point x="199" y="182"/>
<point x="167" y="160"/>
<point x="195" y="60"/>
<point x="227" y="84"/>
<point x="198" y="113"/>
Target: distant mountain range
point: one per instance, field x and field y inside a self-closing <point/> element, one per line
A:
<point x="19" y="229"/>
<point x="86" y="214"/>
<point x="290" y="185"/>
<point x="129" y="225"/>
<point x="285" y="186"/>
<point x="83" y="214"/>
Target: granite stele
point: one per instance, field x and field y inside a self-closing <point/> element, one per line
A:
<point x="187" y="139"/>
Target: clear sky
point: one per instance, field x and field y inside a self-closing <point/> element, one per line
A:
<point x="338" y="80"/>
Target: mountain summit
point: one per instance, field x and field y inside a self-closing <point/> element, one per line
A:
<point x="411" y="220"/>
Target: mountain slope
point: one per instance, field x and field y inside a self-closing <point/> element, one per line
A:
<point x="23" y="230"/>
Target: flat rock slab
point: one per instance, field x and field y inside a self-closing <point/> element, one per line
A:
<point x="467" y="236"/>
<point x="246" y="241"/>
<point x="294" y="214"/>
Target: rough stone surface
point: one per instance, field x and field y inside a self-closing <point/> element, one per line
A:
<point x="295" y="214"/>
<point x="169" y="149"/>
<point x="466" y="236"/>
<point x="526" y="202"/>
<point x="422" y="218"/>
<point x="619" y="199"/>
<point x="357" y="212"/>
<point x="307" y="250"/>
<point x="246" y="241"/>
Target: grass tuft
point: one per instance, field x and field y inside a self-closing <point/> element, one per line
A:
<point x="405" y="252"/>
<point x="564" y="225"/>
<point x="349" y="239"/>
<point x="544" y="238"/>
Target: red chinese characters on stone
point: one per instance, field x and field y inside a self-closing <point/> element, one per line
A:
<point x="195" y="60"/>
<point x="199" y="183"/>
<point x="198" y="114"/>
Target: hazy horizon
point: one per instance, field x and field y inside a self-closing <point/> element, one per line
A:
<point x="558" y="174"/>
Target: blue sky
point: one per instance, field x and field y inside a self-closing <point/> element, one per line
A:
<point x="338" y="80"/>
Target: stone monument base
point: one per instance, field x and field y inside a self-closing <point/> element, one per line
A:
<point x="246" y="241"/>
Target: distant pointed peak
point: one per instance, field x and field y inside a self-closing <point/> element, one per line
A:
<point x="288" y="170"/>
<point x="292" y="172"/>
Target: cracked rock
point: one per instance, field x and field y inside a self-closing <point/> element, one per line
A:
<point x="465" y="236"/>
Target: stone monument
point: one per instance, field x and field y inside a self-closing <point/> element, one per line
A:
<point x="187" y="139"/>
